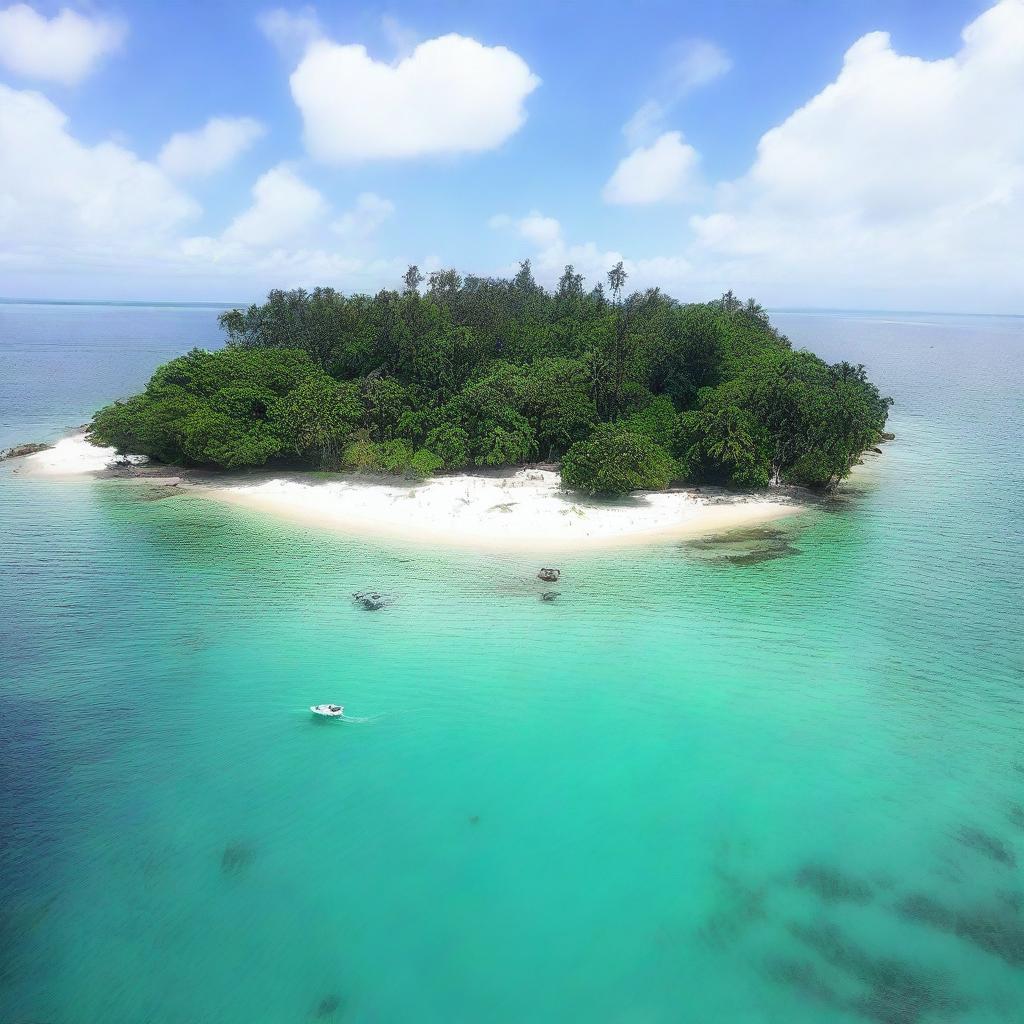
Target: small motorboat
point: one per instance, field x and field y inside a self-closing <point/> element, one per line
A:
<point x="328" y="710"/>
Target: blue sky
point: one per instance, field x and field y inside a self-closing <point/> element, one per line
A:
<point x="789" y="150"/>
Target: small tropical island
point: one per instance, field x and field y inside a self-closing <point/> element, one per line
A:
<point x="618" y="392"/>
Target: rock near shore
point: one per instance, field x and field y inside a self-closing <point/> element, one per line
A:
<point x="19" y="450"/>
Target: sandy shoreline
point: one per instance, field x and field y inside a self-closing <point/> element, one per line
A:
<point x="514" y="509"/>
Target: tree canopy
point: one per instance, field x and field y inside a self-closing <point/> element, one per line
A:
<point x="626" y="391"/>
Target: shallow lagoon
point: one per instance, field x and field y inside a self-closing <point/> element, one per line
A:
<point x="759" y="778"/>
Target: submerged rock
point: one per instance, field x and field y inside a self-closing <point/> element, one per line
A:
<point x="550" y="595"/>
<point x="549" y="575"/>
<point x="236" y="857"/>
<point x="29" y="448"/>
<point x="743" y="547"/>
<point x="371" y="600"/>
<point x="328" y="1006"/>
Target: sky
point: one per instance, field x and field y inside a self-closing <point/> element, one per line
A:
<point x="845" y="154"/>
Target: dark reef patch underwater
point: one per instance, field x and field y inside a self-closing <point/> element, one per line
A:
<point x="745" y="546"/>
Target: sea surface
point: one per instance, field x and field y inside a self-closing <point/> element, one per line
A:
<point x="772" y="777"/>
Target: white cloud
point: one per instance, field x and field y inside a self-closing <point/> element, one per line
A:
<point x="663" y="171"/>
<point x="900" y="185"/>
<point x="96" y="220"/>
<point x="285" y="209"/>
<point x="550" y="253"/>
<point x="499" y="221"/>
<point x="210" y="148"/>
<point x="542" y="231"/>
<point x="903" y="173"/>
<point x="58" y="195"/>
<point x="283" y="240"/>
<point x="64" y="48"/>
<point x="290" y="31"/>
<point x="450" y="95"/>
<point x="693" y="63"/>
<point x="368" y="214"/>
<point x="645" y="124"/>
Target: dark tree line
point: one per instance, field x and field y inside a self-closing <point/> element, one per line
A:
<point x="626" y="391"/>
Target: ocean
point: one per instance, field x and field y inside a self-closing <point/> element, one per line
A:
<point x="771" y="777"/>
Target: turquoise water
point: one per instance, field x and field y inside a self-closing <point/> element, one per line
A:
<point x="775" y="779"/>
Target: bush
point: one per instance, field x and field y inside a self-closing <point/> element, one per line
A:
<point x="617" y="462"/>
<point x="363" y="455"/>
<point x="425" y="463"/>
<point x="369" y="456"/>
<point x="451" y="444"/>
<point x="395" y="456"/>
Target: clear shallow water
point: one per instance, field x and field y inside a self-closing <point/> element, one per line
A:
<point x="778" y="779"/>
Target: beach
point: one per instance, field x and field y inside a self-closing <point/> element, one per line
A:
<point x="498" y="509"/>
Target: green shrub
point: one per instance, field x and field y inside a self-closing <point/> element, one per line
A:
<point x="425" y="463"/>
<point x="617" y="462"/>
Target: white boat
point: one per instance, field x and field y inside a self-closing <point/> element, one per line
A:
<point x="328" y="710"/>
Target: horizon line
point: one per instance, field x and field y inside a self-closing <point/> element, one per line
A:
<point x="11" y="300"/>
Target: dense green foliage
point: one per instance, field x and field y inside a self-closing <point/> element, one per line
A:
<point x="628" y="392"/>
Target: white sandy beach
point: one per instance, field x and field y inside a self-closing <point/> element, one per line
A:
<point x="72" y="456"/>
<point x="526" y="508"/>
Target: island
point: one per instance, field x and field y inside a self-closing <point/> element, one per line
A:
<point x="617" y="393"/>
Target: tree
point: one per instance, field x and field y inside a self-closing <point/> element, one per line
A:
<point x="412" y="279"/>
<point x="570" y="284"/>
<point x="723" y="443"/>
<point x="617" y="462"/>
<point x="617" y="280"/>
<point x="318" y="417"/>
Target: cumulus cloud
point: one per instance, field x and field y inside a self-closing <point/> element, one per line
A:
<point x="64" y="48"/>
<point x="284" y="238"/>
<point x="550" y="252"/>
<point x="900" y="184"/>
<point x="451" y="95"/>
<point x="210" y="148"/>
<point x="98" y="220"/>
<point x="662" y="166"/>
<point x="58" y="195"/>
<point x="903" y="171"/>
<point x="366" y="216"/>
<point x="663" y="171"/>
<point x="542" y="231"/>
<point x="284" y="209"/>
